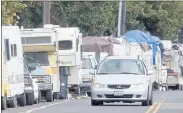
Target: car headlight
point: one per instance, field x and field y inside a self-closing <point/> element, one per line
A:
<point x="139" y="86"/>
<point x="47" y="79"/>
<point x="96" y="85"/>
<point x="87" y="79"/>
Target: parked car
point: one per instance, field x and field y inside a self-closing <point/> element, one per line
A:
<point x="122" y="78"/>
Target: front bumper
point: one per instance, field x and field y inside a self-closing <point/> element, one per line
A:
<point x="85" y="87"/>
<point x="129" y="95"/>
<point x="45" y="87"/>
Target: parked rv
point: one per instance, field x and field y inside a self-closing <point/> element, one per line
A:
<point x="40" y="50"/>
<point x="69" y="59"/>
<point x="88" y="65"/>
<point x="13" y="68"/>
<point x="172" y="60"/>
<point x="31" y="87"/>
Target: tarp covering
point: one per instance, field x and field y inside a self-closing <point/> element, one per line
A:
<point x="145" y="47"/>
<point x="139" y="36"/>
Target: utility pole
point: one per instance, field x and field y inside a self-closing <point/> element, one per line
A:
<point x="46" y="12"/>
<point x="121" y="17"/>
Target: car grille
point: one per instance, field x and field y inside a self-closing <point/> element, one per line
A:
<point x="118" y="86"/>
<point x="123" y="96"/>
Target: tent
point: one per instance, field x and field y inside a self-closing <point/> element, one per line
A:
<point x="139" y="36"/>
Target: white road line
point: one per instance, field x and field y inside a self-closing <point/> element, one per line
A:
<point x="42" y="107"/>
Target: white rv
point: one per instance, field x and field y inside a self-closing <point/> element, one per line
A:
<point x="69" y="57"/>
<point x="122" y="47"/>
<point x="40" y="50"/>
<point x="14" y="71"/>
<point x="88" y="66"/>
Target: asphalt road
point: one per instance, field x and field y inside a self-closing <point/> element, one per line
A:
<point x="164" y="102"/>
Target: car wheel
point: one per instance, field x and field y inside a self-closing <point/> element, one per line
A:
<point x="151" y="99"/>
<point x="146" y="102"/>
<point x="96" y="103"/>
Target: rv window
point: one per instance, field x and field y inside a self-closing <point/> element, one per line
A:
<point x="86" y="63"/>
<point x="7" y="49"/>
<point x="65" y="45"/>
<point x="12" y="50"/>
<point x="77" y="44"/>
<point x="40" y="58"/>
<point x="15" y="50"/>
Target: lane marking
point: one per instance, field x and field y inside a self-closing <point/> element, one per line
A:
<point x="151" y="108"/>
<point x="158" y="106"/>
<point x="42" y="107"/>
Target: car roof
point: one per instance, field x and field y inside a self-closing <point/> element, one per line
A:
<point x="123" y="57"/>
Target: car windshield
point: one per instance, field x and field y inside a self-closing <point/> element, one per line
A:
<point x="121" y="66"/>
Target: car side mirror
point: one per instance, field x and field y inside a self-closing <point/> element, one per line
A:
<point x="32" y="68"/>
<point x="150" y="72"/>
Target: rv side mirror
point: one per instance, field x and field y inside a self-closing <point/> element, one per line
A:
<point x="32" y="68"/>
<point x="96" y="66"/>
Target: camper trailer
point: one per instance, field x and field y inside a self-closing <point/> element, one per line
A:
<point x="69" y="58"/>
<point x="173" y="62"/>
<point x="39" y="46"/>
<point x="88" y="66"/>
<point x="12" y="68"/>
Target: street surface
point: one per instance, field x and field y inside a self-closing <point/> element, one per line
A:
<point x="164" y="102"/>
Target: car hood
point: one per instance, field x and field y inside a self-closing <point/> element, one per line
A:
<point x="120" y="79"/>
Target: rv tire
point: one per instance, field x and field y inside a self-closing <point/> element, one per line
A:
<point x="30" y="98"/>
<point x="13" y="102"/>
<point x="49" y="96"/>
<point x="3" y="103"/>
<point x="23" y="99"/>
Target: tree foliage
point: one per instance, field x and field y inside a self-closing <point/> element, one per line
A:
<point x="9" y="10"/>
<point x="163" y="19"/>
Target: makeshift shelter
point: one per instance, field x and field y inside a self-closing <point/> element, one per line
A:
<point x="139" y="36"/>
<point x="97" y="45"/>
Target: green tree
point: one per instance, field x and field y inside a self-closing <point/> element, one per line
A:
<point x="163" y="19"/>
<point x="32" y="15"/>
<point x="9" y="10"/>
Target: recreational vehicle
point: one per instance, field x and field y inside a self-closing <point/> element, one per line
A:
<point x="39" y="46"/>
<point x="12" y="68"/>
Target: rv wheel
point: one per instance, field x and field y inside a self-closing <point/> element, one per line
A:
<point x="13" y="102"/>
<point x="30" y="98"/>
<point x="3" y="103"/>
<point x="22" y="100"/>
<point x="49" y="96"/>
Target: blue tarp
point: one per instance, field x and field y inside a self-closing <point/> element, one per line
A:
<point x="139" y="36"/>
